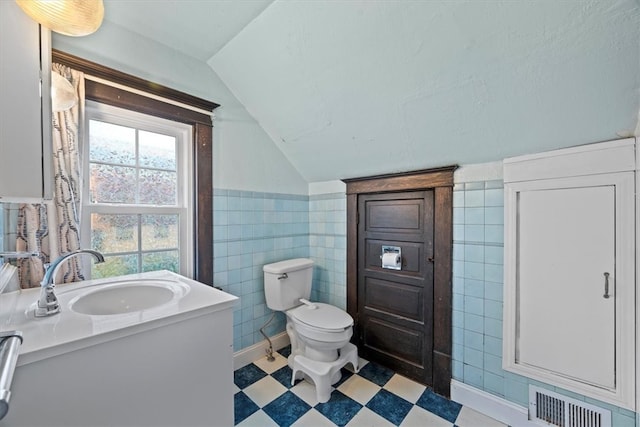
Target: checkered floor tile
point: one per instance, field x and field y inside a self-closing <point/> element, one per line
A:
<point x="375" y="396"/>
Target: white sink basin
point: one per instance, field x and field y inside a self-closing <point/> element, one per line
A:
<point x="127" y="297"/>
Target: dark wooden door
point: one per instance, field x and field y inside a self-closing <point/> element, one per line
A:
<point x="395" y="307"/>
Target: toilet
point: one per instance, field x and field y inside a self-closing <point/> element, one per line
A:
<point x="319" y="333"/>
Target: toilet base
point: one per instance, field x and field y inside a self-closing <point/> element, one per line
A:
<point x="323" y="374"/>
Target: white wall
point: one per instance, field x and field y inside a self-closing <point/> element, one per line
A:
<point x="244" y="156"/>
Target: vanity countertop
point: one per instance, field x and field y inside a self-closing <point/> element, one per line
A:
<point x="68" y="330"/>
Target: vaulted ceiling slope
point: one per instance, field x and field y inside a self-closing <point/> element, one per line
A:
<point x="353" y="88"/>
<point x="197" y="28"/>
<point x="348" y="88"/>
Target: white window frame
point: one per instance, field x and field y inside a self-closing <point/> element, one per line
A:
<point x="184" y="166"/>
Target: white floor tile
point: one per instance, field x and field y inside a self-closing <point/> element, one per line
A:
<point x="418" y="417"/>
<point x="271" y="367"/>
<point x="264" y="391"/>
<point x="306" y="391"/>
<point x="367" y="418"/>
<point x="258" y="419"/>
<point x="313" y="418"/>
<point x="470" y="418"/>
<point x="361" y="363"/>
<point x="359" y="389"/>
<point x="405" y="388"/>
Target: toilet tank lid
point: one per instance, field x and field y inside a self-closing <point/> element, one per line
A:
<point x="287" y="266"/>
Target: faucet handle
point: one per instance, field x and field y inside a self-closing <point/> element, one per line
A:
<point x="47" y="304"/>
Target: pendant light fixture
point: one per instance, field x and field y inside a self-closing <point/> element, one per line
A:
<point x="68" y="17"/>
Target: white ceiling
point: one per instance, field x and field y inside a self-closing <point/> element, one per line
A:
<point x="356" y="88"/>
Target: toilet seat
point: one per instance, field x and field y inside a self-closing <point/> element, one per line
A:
<point x="322" y="317"/>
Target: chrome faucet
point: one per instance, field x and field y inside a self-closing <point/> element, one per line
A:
<point x="47" y="304"/>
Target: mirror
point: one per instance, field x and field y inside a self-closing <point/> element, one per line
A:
<point x="32" y="238"/>
<point x="8" y="226"/>
<point x="8" y="230"/>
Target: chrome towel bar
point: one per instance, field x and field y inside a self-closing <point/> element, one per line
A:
<point x="14" y="255"/>
<point x="9" y="346"/>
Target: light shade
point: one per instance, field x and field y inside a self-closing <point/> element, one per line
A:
<point x="68" y="17"/>
<point x="63" y="96"/>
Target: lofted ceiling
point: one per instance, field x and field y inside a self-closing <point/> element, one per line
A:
<point x="349" y="88"/>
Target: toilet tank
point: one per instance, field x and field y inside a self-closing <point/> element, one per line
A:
<point x="285" y="282"/>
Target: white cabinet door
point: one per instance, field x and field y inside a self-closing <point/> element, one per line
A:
<point x="21" y="109"/>
<point x="567" y="245"/>
<point x="569" y="292"/>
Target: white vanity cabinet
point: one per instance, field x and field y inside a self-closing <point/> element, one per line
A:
<point x="25" y="115"/>
<point x="167" y="363"/>
<point x="569" y="269"/>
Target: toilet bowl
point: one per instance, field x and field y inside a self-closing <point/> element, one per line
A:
<point x="319" y="333"/>
<point x="322" y="329"/>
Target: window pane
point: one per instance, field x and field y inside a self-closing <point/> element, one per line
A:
<point x="135" y="182"/>
<point x="159" y="232"/>
<point x="112" y="184"/>
<point x="157" y="150"/>
<point x="115" y="266"/>
<point x="161" y="261"/>
<point x="112" y="143"/>
<point x="114" y="233"/>
<point x="158" y="187"/>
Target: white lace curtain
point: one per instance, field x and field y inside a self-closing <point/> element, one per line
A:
<point x="53" y="229"/>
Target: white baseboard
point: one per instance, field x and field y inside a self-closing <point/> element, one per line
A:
<point x="492" y="406"/>
<point x="251" y="354"/>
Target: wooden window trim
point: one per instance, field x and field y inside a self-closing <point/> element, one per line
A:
<point x="115" y="76"/>
<point x="202" y="139"/>
<point x="441" y="181"/>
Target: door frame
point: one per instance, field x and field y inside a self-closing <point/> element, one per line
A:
<point x="440" y="180"/>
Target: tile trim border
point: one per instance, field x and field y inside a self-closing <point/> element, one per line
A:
<point x="490" y="405"/>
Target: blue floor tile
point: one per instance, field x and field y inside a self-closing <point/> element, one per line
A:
<point x="243" y="407"/>
<point x="346" y="374"/>
<point x="441" y="406"/>
<point x="283" y="376"/>
<point x="248" y="375"/>
<point x="389" y="406"/>
<point x="340" y="409"/>
<point x="375" y="373"/>
<point x="286" y="409"/>
<point x="285" y="351"/>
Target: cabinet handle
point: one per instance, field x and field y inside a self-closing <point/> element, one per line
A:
<point x="606" y="285"/>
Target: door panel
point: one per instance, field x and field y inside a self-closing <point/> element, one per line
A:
<point x="394" y="216"/>
<point x="393" y="343"/>
<point x="563" y="258"/>
<point x="394" y="299"/>
<point x="395" y="307"/>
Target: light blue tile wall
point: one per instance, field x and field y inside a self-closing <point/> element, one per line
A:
<point x="250" y="230"/>
<point x="478" y="239"/>
<point x="328" y="243"/>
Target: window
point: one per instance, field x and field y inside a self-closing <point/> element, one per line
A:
<point x="136" y="193"/>
<point x="112" y="87"/>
